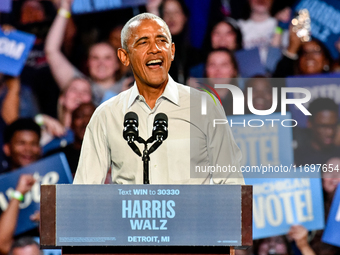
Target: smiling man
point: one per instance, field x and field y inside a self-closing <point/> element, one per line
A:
<point x="21" y="143"/>
<point x="319" y="146"/>
<point x="192" y="140"/>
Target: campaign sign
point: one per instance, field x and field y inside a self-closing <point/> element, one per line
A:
<point x="14" y="49"/>
<point x="331" y="234"/>
<point x="5" y="5"/>
<point x="325" y="16"/>
<point x="322" y="85"/>
<point x="280" y="203"/>
<point x="89" y="6"/>
<point x="50" y="170"/>
<point x="265" y="142"/>
<point x="144" y="215"/>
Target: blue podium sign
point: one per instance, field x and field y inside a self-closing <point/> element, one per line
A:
<point x="14" y="50"/>
<point x="144" y="215"/>
<point x="50" y="170"/>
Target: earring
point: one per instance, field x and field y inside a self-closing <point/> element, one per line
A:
<point x="326" y="68"/>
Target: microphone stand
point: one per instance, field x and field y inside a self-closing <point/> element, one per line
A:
<point x="146" y="157"/>
<point x="159" y="133"/>
<point x="146" y="160"/>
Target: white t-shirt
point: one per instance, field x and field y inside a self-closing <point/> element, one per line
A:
<point x="258" y="34"/>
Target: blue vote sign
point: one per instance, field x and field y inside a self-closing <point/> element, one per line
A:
<point x="14" y="49"/>
<point x="50" y="170"/>
<point x="280" y="203"/>
<point x="266" y="143"/>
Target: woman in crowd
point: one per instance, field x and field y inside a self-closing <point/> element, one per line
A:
<point x="258" y="27"/>
<point x="282" y="244"/>
<point x="102" y="59"/>
<point x="221" y="68"/>
<point x="303" y="58"/>
<point x="175" y="13"/>
<point x="78" y="91"/>
<point x="224" y="34"/>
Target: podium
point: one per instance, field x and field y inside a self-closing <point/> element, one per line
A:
<point x="146" y="219"/>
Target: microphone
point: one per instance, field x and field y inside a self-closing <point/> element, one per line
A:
<point x="160" y="127"/>
<point x="160" y="131"/>
<point x="130" y="131"/>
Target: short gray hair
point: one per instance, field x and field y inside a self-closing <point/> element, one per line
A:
<point x="126" y="31"/>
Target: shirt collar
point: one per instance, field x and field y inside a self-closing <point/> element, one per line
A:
<point x="170" y="92"/>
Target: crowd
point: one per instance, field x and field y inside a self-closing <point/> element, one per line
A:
<point x="73" y="68"/>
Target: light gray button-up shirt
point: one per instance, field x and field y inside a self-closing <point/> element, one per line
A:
<point x="192" y="145"/>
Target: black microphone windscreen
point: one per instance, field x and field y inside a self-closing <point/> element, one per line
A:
<point x="131" y="115"/>
<point x="161" y="116"/>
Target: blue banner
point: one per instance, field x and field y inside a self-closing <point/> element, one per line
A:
<point x="331" y="234"/>
<point x="89" y="6"/>
<point x="14" y="49"/>
<point x="280" y="203"/>
<point x="5" y="5"/>
<point x="322" y="85"/>
<point x="325" y="16"/>
<point x="51" y="170"/>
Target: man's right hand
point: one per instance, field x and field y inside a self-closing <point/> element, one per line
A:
<point x="25" y="183"/>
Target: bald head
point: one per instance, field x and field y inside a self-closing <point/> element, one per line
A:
<point x="135" y="21"/>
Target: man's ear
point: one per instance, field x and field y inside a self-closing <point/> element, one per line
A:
<point x="172" y="51"/>
<point x="6" y="150"/>
<point x="123" y="56"/>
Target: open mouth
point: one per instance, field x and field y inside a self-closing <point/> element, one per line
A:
<point x="155" y="63"/>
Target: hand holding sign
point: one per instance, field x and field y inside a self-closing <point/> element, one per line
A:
<point x="14" y="49"/>
<point x="25" y="183"/>
<point x="300" y="235"/>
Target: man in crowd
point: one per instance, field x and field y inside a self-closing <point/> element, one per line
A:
<point x="192" y="139"/>
<point x="21" y="146"/>
<point x="320" y="145"/>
